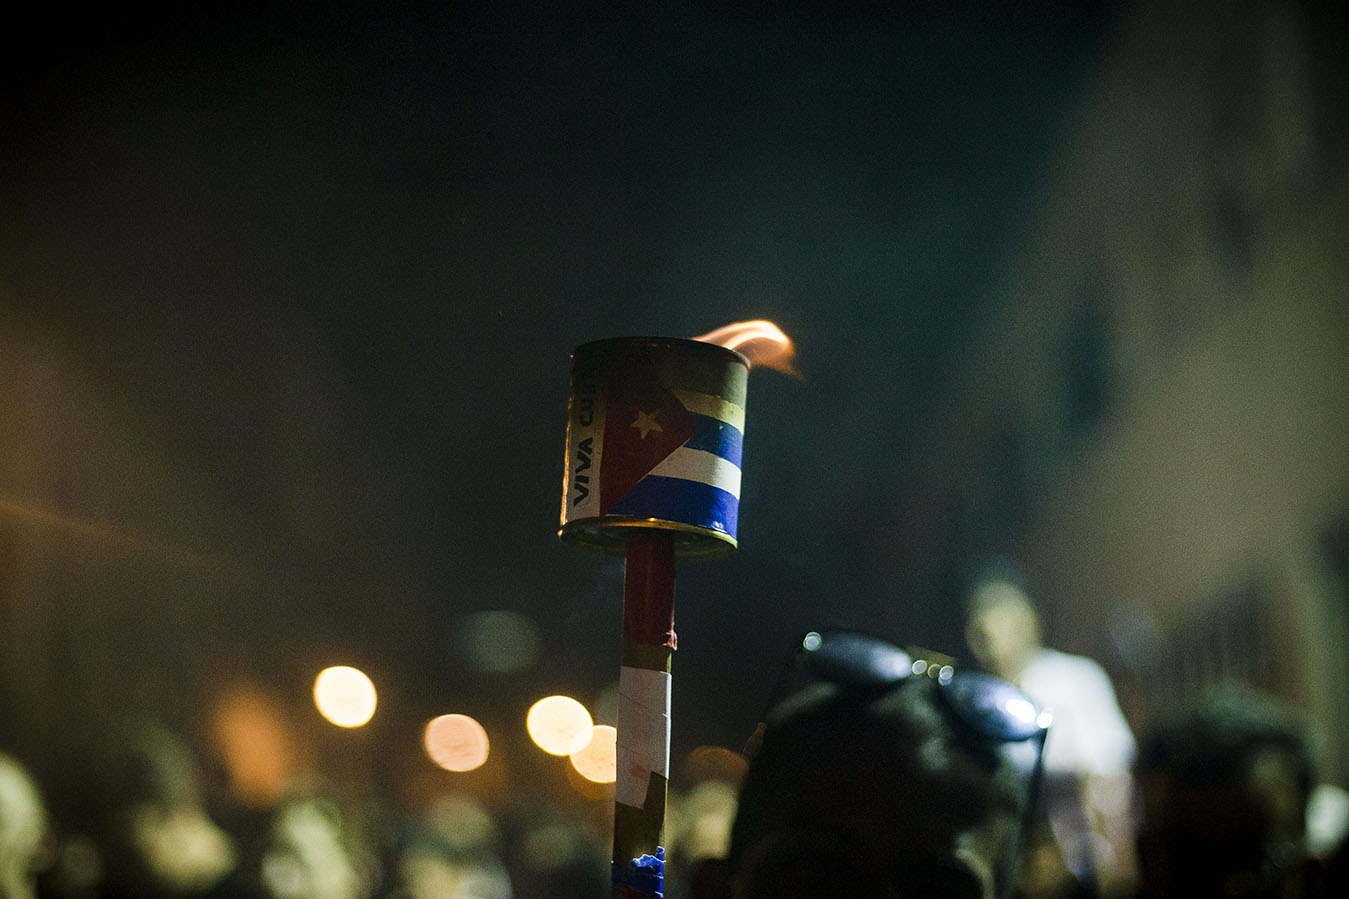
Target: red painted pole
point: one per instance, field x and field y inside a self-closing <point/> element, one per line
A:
<point x="643" y="772"/>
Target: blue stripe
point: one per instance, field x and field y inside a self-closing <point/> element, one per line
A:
<point x="675" y="499"/>
<point x="712" y="435"/>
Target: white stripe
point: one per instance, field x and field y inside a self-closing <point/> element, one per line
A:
<point x="703" y="467"/>
<point x="643" y="744"/>
<point x="712" y="407"/>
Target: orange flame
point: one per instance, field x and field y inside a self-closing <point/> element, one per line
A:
<point x="760" y="341"/>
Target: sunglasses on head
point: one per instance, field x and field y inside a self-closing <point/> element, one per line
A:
<point x="986" y="711"/>
<point x="983" y="704"/>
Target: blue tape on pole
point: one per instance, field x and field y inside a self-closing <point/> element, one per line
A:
<point x="645" y="875"/>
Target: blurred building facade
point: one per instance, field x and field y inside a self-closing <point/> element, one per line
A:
<point x="1154" y="415"/>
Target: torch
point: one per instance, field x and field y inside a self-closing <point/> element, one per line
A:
<point x="654" y="433"/>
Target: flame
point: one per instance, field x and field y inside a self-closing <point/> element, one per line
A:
<point x="760" y="341"/>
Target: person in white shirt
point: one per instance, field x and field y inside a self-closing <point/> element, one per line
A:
<point x="1087" y="845"/>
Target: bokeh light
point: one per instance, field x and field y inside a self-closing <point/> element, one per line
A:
<point x="559" y="725"/>
<point x="345" y="696"/>
<point x="587" y="788"/>
<point x="255" y="743"/>
<point x="714" y="763"/>
<point x="456" y="742"/>
<point x="598" y="759"/>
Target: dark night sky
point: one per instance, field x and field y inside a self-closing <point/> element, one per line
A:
<point x="330" y="264"/>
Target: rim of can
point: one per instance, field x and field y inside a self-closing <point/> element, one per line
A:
<point x="609" y="534"/>
<point x="687" y="342"/>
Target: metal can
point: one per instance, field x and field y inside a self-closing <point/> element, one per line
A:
<point x="655" y="433"/>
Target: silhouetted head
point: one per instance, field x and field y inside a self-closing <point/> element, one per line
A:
<point x="1224" y="785"/>
<point x="875" y="779"/>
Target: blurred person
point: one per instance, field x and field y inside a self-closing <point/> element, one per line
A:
<point x="873" y="779"/>
<point x="1225" y="782"/>
<point x="698" y="828"/>
<point x="451" y="851"/>
<point x="428" y="866"/>
<point x="552" y="853"/>
<point x="1083" y="844"/>
<point x="315" y="848"/>
<point x="24" y="831"/>
<point x="155" y="835"/>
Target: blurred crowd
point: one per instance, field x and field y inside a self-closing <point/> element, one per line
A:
<point x="155" y="832"/>
<point x="876" y="772"/>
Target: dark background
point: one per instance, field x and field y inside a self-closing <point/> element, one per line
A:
<point x="321" y="270"/>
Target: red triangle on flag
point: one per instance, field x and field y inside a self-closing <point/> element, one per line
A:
<point x="643" y="423"/>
